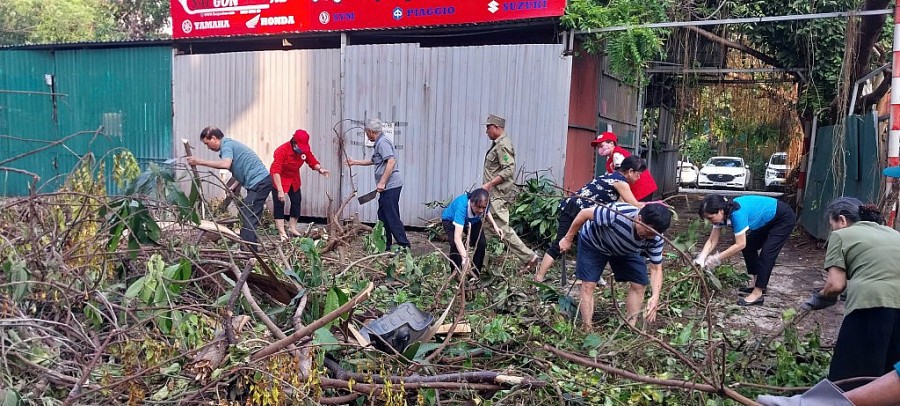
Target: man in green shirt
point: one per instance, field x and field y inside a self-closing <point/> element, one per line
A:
<point x="499" y="175"/>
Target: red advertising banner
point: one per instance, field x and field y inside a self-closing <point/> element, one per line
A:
<point x="215" y="18"/>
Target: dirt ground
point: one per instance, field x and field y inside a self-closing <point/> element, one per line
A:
<point x="797" y="271"/>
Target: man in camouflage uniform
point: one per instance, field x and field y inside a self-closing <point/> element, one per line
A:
<point x="499" y="174"/>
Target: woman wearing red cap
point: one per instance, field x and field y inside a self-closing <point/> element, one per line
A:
<point x="607" y="146"/>
<point x="285" y="170"/>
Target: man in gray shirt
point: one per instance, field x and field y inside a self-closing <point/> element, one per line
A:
<point x="247" y="169"/>
<point x="388" y="182"/>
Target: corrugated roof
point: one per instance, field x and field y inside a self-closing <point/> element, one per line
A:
<point x="91" y="44"/>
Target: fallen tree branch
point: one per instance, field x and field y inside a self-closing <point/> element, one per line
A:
<point x="229" y="308"/>
<point x="671" y="383"/>
<point x="51" y="145"/>
<point x="375" y="389"/>
<point x="339" y="400"/>
<point x="743" y="48"/>
<point x="484" y="377"/>
<point x="304" y="355"/>
<point x="364" y="259"/>
<point x="86" y="372"/>
<point x="34" y="177"/>
<point x="54" y="377"/>
<point x="297" y="335"/>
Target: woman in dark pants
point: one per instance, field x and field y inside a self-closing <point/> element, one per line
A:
<point x="761" y="224"/>
<point x="468" y="210"/>
<point x="285" y="170"/>
<point x="862" y="258"/>
<point x="604" y="189"/>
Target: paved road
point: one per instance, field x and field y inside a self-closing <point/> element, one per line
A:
<point x="728" y="192"/>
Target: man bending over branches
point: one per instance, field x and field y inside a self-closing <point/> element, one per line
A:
<point x="612" y="236"/>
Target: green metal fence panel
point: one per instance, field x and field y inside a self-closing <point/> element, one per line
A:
<point x="126" y="93"/>
<point x="26" y="117"/>
<point x="860" y="178"/>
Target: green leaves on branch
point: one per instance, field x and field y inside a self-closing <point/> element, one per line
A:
<point x="160" y="288"/>
<point x="631" y="50"/>
<point x="534" y="215"/>
<point x="376" y="241"/>
<point x="132" y="213"/>
<point x="18" y="278"/>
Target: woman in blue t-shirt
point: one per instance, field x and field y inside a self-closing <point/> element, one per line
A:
<point x="604" y="189"/>
<point x="761" y="227"/>
<point x="467" y="210"/>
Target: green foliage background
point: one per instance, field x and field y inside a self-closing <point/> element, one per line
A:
<point x="52" y="21"/>
<point x="629" y="51"/>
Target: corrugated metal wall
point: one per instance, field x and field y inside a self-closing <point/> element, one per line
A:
<point x="444" y="96"/>
<point x="128" y="91"/>
<point x="439" y="98"/>
<point x="260" y="99"/>
<point x="618" y="108"/>
<point x="26" y="117"/>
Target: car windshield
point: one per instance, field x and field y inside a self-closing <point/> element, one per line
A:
<point x="778" y="159"/>
<point x="725" y="162"/>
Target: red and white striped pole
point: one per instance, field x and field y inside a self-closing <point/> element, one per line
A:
<point x="893" y="151"/>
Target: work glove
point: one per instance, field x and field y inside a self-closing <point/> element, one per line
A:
<point x="713" y="261"/>
<point x="818" y="302"/>
<point x="701" y="262"/>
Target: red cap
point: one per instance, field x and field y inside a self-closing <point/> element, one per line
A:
<point x="606" y="136"/>
<point x="301" y="137"/>
<point x="300" y="141"/>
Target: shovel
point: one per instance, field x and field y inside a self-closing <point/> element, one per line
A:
<point x="368" y="197"/>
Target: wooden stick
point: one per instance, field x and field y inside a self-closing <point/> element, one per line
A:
<point x="230" y="192"/>
<point x="310" y="329"/>
<point x="194" y="173"/>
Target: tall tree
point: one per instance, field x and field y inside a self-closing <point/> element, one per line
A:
<point x="49" y="21"/>
<point x="142" y="19"/>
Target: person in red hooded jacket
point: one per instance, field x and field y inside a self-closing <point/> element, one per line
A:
<point x="285" y="170"/>
<point x="607" y="145"/>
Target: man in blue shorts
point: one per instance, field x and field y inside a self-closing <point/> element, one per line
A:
<point x="612" y="236"/>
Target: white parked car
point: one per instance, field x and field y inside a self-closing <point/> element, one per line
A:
<point x="724" y="172"/>
<point x="776" y="170"/>
<point x="687" y="173"/>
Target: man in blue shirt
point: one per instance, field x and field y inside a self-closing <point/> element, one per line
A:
<point x="468" y="210"/>
<point x="247" y="169"/>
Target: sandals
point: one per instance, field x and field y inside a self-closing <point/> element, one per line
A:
<point x="757" y="302"/>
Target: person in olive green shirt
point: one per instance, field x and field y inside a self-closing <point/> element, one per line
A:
<point x="862" y="258"/>
<point x="499" y="173"/>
